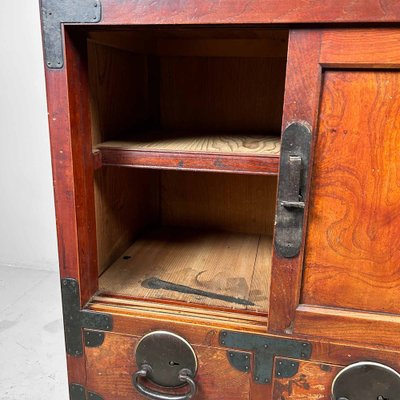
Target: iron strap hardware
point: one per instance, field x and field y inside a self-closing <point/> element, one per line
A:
<point x="54" y="14"/>
<point x="293" y="171"/>
<point x="76" y="319"/>
<point x="239" y="360"/>
<point x="285" y="368"/>
<point x="78" y="392"/>
<point x="265" y="349"/>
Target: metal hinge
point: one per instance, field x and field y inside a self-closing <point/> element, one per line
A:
<point x="264" y="350"/>
<point x="76" y="319"/>
<point x="57" y="12"/>
<point x="78" y="392"/>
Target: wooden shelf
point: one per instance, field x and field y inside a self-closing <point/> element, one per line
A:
<point x="255" y="154"/>
<point x="218" y="269"/>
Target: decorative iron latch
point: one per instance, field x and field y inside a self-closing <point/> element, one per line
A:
<point x="293" y="173"/>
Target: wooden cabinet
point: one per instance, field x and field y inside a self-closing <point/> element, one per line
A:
<point x="168" y="122"/>
<point x="346" y="276"/>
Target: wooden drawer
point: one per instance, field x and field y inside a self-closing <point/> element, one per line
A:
<point x="111" y="361"/>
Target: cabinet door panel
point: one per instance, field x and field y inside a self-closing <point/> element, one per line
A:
<point x="347" y="274"/>
<point x="353" y="234"/>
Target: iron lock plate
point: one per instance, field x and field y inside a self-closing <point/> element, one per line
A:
<point x="293" y="173"/>
<point x="366" y="381"/>
<point x="167" y="354"/>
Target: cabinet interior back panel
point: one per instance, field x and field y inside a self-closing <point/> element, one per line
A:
<point x="353" y="238"/>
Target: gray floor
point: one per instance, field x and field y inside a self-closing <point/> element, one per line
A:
<point x="31" y="336"/>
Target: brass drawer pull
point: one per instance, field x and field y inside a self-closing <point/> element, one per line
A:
<point x="184" y="377"/>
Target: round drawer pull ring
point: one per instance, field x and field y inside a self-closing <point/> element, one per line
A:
<point x="167" y="360"/>
<point x="184" y="376"/>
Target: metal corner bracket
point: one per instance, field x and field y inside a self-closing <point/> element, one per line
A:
<point x="240" y="360"/>
<point x="78" y="392"/>
<point x="76" y="319"/>
<point x="265" y="349"/>
<point x="54" y="14"/>
<point x="285" y="368"/>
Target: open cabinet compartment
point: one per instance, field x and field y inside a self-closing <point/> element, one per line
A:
<point x="189" y="236"/>
<point x="192" y="237"/>
<point x="162" y="96"/>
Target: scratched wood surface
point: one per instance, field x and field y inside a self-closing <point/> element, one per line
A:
<point x="312" y="381"/>
<point x="353" y="236"/>
<point x="110" y="368"/>
<point x="234" y="266"/>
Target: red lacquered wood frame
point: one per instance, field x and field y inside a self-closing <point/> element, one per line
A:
<point x="190" y="161"/>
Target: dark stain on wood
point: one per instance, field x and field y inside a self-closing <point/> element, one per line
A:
<point x="156" y="283"/>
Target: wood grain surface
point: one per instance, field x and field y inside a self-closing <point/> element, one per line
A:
<point x="220" y="94"/>
<point x="203" y="329"/>
<point x="256" y="154"/>
<point x="313" y="381"/>
<point x="226" y="264"/>
<point x="301" y="104"/>
<point x="227" y="202"/>
<point x="261" y="145"/>
<point x="119" y="91"/>
<point x="187" y="161"/>
<point x="348" y="326"/>
<point x="373" y="48"/>
<point x="111" y="366"/>
<point x="253" y="11"/>
<point x="126" y="202"/>
<point x="353" y="236"/>
<point x="209" y="41"/>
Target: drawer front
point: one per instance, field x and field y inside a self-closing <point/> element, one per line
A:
<point x="110" y="368"/>
<point x="231" y="365"/>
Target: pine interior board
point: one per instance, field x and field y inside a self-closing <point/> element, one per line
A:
<point x="225" y="202"/>
<point x="119" y="91"/>
<point x="199" y="143"/>
<point x="227" y="264"/>
<point x="126" y="200"/>
<point x="222" y="94"/>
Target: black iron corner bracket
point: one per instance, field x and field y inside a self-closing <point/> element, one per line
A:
<point x="265" y="349"/>
<point x="54" y="14"/>
<point x="76" y="319"/>
<point x="285" y="368"/>
<point x="78" y="392"/>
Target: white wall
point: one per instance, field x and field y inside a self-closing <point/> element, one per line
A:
<point x="31" y="329"/>
<point x="27" y="222"/>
